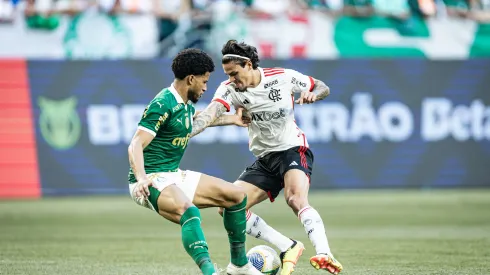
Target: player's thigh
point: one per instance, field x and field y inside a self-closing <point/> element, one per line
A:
<point x="296" y="169"/>
<point x="172" y="203"/>
<point x="296" y="183"/>
<point x="255" y="195"/>
<point x="215" y="192"/>
<point x="165" y="198"/>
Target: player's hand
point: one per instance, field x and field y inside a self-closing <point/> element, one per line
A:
<point x="142" y="189"/>
<point x="242" y="119"/>
<point x="306" y="97"/>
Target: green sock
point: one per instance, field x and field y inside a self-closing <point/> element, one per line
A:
<point x="235" y="221"/>
<point x="194" y="241"/>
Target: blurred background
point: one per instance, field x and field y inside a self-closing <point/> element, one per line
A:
<point x="402" y="144"/>
<point x="311" y="29"/>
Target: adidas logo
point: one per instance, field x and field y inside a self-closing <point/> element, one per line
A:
<point x="293" y="163"/>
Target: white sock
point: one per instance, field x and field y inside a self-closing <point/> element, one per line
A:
<point x="258" y="228"/>
<point x="315" y="229"/>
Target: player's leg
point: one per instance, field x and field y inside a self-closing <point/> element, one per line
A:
<point x="261" y="183"/>
<point x="171" y="203"/>
<point x="297" y="167"/>
<point x="175" y="206"/>
<point x="256" y="226"/>
<point x="214" y="192"/>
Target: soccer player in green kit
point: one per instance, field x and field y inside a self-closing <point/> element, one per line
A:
<point x="157" y="183"/>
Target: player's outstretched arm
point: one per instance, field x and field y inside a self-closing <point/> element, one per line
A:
<point x="319" y="92"/>
<point x="207" y="117"/>
<point x="214" y="115"/>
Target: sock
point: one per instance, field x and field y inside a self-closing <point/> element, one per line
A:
<point x="315" y="229"/>
<point x="259" y="229"/>
<point x="235" y="222"/>
<point x="194" y="241"/>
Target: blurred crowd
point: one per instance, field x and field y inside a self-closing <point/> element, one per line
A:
<point x="45" y="14"/>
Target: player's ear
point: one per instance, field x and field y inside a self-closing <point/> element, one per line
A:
<point x="190" y="79"/>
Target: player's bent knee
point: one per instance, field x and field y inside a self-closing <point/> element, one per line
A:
<point x="296" y="202"/>
<point x="175" y="212"/>
<point x="182" y="208"/>
<point x="235" y="197"/>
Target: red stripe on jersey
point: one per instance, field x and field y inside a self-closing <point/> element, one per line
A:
<point x="269" y="69"/>
<point x="227" y="83"/>
<point x="292" y="101"/>
<point x="273" y="73"/>
<point x="304" y="140"/>
<point x="312" y="83"/>
<point x="273" y="69"/>
<point x="224" y="103"/>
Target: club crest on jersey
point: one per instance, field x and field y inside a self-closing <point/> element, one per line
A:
<point x="274" y="95"/>
<point x="270" y="84"/>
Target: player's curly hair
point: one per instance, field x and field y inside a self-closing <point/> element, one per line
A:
<point x="242" y="49"/>
<point x="192" y="62"/>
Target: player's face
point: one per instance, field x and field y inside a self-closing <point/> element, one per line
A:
<point x="241" y="76"/>
<point x="198" y="86"/>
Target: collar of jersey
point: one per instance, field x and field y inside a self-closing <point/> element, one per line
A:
<point x="176" y="94"/>
<point x="262" y="80"/>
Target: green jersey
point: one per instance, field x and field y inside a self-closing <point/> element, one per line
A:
<point x="169" y="120"/>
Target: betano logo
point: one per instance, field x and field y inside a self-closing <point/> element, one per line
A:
<point x="59" y="122"/>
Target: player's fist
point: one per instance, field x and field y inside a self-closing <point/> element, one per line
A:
<point x="242" y="118"/>
<point x="306" y="97"/>
<point x="142" y="189"/>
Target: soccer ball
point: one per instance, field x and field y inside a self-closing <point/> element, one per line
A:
<point x="264" y="259"/>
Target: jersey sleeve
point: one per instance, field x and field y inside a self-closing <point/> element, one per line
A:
<point x="154" y="117"/>
<point x="223" y="96"/>
<point x="305" y="83"/>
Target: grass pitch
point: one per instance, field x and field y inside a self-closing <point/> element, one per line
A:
<point x="370" y="232"/>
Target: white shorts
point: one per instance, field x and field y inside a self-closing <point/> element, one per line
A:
<point x="186" y="180"/>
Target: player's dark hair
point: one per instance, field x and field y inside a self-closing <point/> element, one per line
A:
<point x="192" y="62"/>
<point x="242" y="49"/>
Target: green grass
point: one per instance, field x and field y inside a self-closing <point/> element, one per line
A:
<point x="377" y="232"/>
